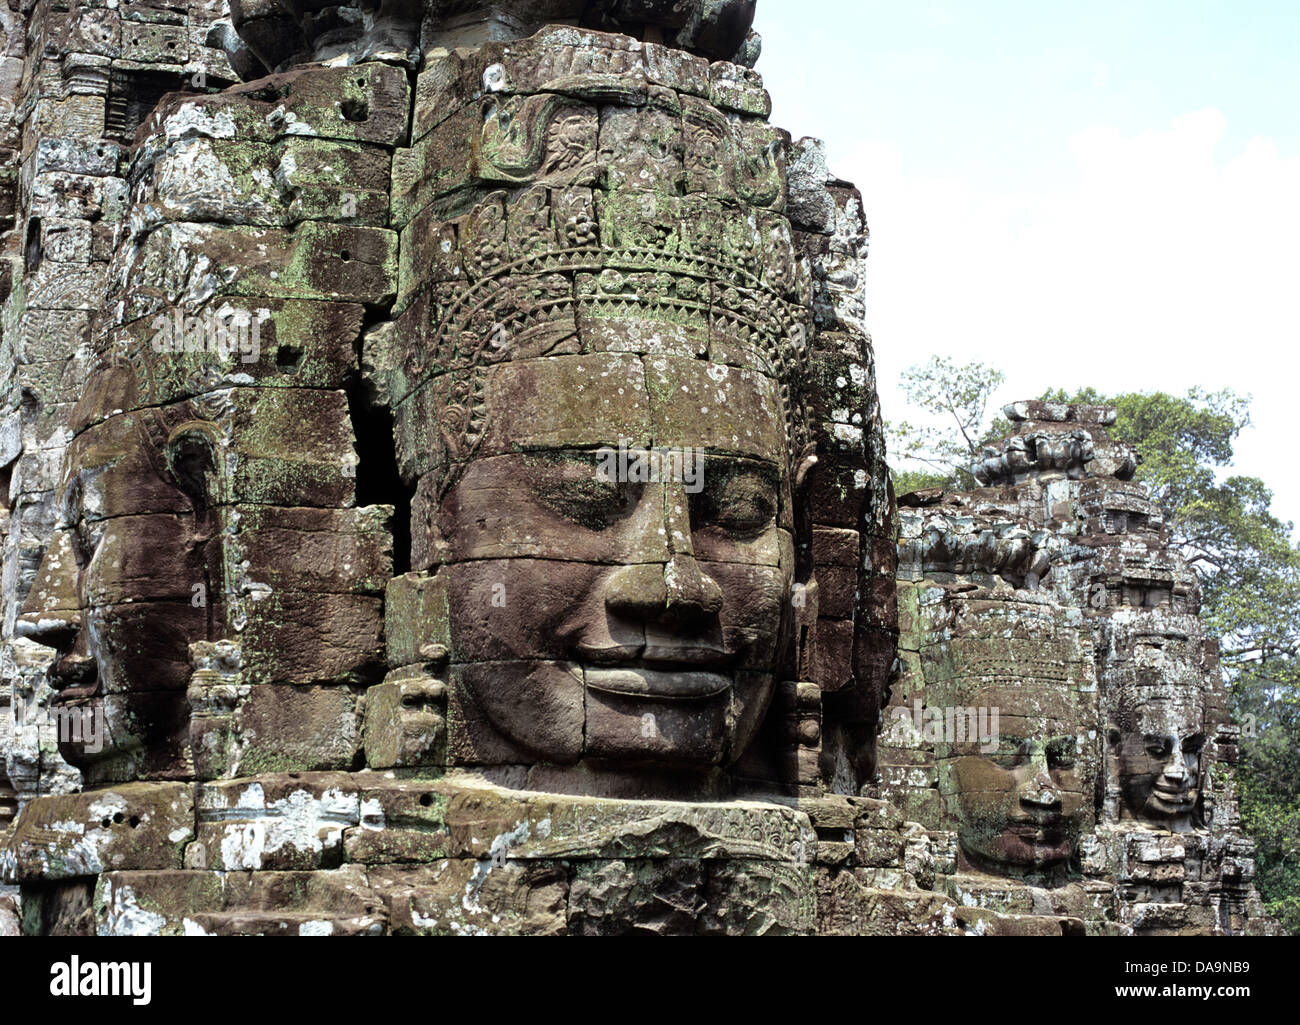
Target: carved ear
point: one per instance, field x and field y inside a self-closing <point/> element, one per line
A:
<point x="193" y="460"/>
<point x="804" y="466"/>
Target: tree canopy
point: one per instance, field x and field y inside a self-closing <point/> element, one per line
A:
<point x="955" y="400"/>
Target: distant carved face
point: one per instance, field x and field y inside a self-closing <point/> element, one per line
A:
<point x="629" y="607"/>
<point x="1021" y="807"/>
<point x="1020" y="794"/>
<point x="1159" y="761"/>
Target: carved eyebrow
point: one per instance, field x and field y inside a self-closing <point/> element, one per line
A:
<point x="721" y="471"/>
<point x="560" y="459"/>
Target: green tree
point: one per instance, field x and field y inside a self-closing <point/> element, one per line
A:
<point x="1223" y="525"/>
<point x="955" y="400"/>
<point x="1266" y="693"/>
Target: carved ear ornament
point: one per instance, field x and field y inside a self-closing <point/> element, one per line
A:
<point x="193" y="453"/>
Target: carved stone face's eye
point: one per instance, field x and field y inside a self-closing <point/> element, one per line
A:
<point x="1194" y="744"/>
<point x="1061" y="753"/>
<point x="740" y="500"/>
<point x="577" y="488"/>
<point x="88" y="535"/>
<point x="1012" y="753"/>
<point x="1159" y="747"/>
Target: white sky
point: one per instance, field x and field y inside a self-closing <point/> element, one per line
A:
<point x="1108" y="200"/>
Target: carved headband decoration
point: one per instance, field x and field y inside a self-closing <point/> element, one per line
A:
<point x="523" y="308"/>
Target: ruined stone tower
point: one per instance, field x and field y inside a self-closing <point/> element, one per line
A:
<point x="446" y="493"/>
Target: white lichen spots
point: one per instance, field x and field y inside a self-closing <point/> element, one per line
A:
<point x="470" y="900"/>
<point x="316" y="929"/>
<point x="372" y="814"/>
<point x="191" y="119"/>
<point x="848" y="435"/>
<point x="289" y="123"/>
<point x="286" y="169"/>
<point x="300" y="821"/>
<point x="125" y="916"/>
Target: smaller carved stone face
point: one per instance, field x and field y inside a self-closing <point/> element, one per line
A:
<point x="120" y="595"/>
<point x="1157" y="728"/>
<point x="1018" y="792"/>
<point x="406" y="720"/>
<point x="1021" y="806"/>
<point x="1159" y="763"/>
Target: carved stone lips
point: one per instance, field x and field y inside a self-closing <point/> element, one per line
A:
<point x="1037" y="822"/>
<point x="72" y="695"/>
<point x="685" y="683"/>
<point x="1047" y="836"/>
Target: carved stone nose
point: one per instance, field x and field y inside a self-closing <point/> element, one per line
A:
<point x="44" y="629"/>
<point x="1040" y="791"/>
<point x="689" y="589"/>
<point x="674" y="593"/>
<point x="1041" y="797"/>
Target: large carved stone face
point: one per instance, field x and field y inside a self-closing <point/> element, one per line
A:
<point x="614" y="277"/>
<point x="605" y="616"/>
<point x="1021" y="807"/>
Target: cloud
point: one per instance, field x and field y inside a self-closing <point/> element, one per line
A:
<point x="1162" y="262"/>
